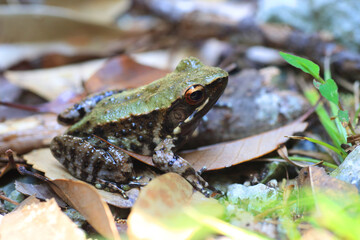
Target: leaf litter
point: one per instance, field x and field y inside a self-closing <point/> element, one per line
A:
<point x="54" y="170"/>
<point x="41" y="191"/>
<point x="44" y="161"/>
<point x="50" y="83"/>
<point x="39" y="220"/>
<point x="229" y="153"/>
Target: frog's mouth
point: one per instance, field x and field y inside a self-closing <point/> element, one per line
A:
<point x="215" y="90"/>
<point x="196" y="111"/>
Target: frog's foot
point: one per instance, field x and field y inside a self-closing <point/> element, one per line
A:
<point x="111" y="187"/>
<point x="201" y="170"/>
<point x="198" y="182"/>
<point x="132" y="184"/>
<point x="167" y="161"/>
<point x="117" y="188"/>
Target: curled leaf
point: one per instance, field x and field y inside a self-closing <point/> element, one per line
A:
<point x="159" y="211"/>
<point x="85" y="198"/>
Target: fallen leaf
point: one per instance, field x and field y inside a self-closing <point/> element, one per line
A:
<point x="50" y="54"/>
<point x="89" y="203"/>
<point x="29" y="23"/>
<point x="100" y="11"/>
<point x="42" y="160"/>
<point x="27" y="201"/>
<point x="30" y="31"/>
<point x="41" y="191"/>
<point x="234" y="152"/>
<point x="42" y="220"/>
<point x="24" y="134"/>
<point x="121" y="73"/>
<point x="10" y="165"/>
<point x="320" y="182"/>
<point x="50" y="83"/>
<point x="162" y="199"/>
<point x="283" y="153"/>
<point x="164" y="59"/>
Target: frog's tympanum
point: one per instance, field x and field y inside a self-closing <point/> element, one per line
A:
<point x="153" y="120"/>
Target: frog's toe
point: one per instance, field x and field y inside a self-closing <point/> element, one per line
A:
<point x="206" y="192"/>
<point x="111" y="187"/>
<point x="203" y="169"/>
<point x="133" y="184"/>
<point x="198" y="183"/>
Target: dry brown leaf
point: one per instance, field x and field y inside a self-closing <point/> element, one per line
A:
<point x="10" y="165"/>
<point x="52" y="54"/>
<point x="122" y="72"/>
<point x="86" y="199"/>
<point x="159" y="200"/>
<point x="28" y="201"/>
<point x="283" y="153"/>
<point x="35" y="31"/>
<point x="234" y="152"/>
<point x="320" y="182"/>
<point x="39" y="221"/>
<point x="164" y="59"/>
<point x="43" y="160"/>
<point x="25" y="134"/>
<point x="101" y="11"/>
<point x="45" y="23"/>
<point x="50" y="83"/>
<point x="41" y="191"/>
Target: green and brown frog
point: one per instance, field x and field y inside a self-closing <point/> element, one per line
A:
<point x="154" y="120"/>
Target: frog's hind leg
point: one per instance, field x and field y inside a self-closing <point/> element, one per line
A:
<point x="165" y="159"/>
<point x="95" y="165"/>
<point x="78" y="111"/>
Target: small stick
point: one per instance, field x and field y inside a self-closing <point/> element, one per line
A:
<point x="5" y="198"/>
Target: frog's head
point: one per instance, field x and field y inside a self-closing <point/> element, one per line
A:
<point x="198" y="87"/>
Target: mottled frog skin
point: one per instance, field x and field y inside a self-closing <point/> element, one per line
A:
<point x="153" y="120"/>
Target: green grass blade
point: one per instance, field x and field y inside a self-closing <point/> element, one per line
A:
<point x="313" y="96"/>
<point x="337" y="150"/>
<point x="223" y="227"/>
<point x="312" y="160"/>
<point x="342" y="131"/>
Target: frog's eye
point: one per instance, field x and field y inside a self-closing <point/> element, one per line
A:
<point x="195" y="94"/>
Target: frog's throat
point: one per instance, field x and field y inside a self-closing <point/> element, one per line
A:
<point x="177" y="130"/>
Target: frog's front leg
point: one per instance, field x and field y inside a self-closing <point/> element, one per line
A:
<point x="166" y="160"/>
<point x="76" y="112"/>
<point x="106" y="166"/>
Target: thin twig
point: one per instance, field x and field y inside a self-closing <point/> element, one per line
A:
<point x="6" y="160"/>
<point x="5" y="198"/>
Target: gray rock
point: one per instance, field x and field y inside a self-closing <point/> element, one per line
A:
<point x="251" y="196"/>
<point x="340" y="18"/>
<point x="349" y="169"/>
<point x="17" y="197"/>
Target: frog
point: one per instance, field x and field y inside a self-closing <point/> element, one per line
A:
<point x="152" y="120"/>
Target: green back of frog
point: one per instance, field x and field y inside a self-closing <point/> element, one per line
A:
<point x="157" y="95"/>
